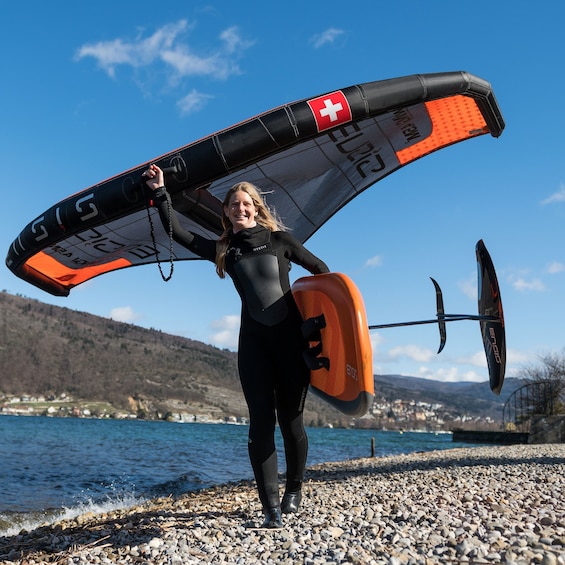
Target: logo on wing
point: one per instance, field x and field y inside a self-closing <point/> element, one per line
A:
<point x="330" y="110"/>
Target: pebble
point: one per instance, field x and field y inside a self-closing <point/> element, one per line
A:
<point x="495" y="504"/>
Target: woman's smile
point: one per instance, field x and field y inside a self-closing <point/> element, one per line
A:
<point x="241" y="211"/>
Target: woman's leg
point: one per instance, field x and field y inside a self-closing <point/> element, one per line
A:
<point x="255" y="370"/>
<point x="293" y="378"/>
<point x="296" y="449"/>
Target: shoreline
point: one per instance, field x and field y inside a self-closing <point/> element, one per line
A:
<point x="495" y="504"/>
<point x="232" y="421"/>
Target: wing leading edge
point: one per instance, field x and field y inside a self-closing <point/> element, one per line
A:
<point x="310" y="157"/>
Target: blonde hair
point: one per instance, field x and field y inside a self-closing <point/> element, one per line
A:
<point x="265" y="218"/>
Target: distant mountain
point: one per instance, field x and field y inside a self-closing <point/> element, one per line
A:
<point x="48" y="351"/>
<point x="459" y="397"/>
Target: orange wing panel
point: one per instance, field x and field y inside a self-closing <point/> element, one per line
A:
<point x="453" y="119"/>
<point x="53" y="269"/>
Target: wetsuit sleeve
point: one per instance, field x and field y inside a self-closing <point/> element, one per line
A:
<point x="205" y="248"/>
<point x="297" y="253"/>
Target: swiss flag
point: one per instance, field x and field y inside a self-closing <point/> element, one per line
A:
<point x="330" y="110"/>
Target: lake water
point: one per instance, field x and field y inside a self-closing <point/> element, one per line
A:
<point x="55" y="467"/>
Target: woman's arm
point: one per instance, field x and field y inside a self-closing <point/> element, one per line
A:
<point x="298" y="254"/>
<point x="205" y="248"/>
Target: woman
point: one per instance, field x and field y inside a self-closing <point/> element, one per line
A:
<point x="256" y="253"/>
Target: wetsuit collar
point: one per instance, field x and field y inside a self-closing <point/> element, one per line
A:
<point x="247" y="232"/>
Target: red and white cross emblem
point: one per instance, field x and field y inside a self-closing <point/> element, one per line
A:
<point x="330" y="110"/>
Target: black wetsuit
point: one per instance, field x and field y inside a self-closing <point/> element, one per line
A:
<point x="271" y="366"/>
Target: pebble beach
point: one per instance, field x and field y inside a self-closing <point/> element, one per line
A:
<point x="495" y="504"/>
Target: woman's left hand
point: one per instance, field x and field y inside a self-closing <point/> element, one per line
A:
<point x="155" y="177"/>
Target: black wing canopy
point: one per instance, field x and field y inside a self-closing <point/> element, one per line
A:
<point x="309" y="157"/>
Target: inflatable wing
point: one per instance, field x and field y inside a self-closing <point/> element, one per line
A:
<point x="310" y="157"/>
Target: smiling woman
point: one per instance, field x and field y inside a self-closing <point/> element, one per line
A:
<point x="256" y="254"/>
<point x="241" y="211"/>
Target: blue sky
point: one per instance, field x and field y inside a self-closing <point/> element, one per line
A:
<point x="90" y="89"/>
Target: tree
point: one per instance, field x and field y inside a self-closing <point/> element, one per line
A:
<point x="549" y="373"/>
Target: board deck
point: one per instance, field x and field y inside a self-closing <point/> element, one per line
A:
<point x="340" y="341"/>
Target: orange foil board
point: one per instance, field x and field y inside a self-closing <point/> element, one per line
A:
<point x="347" y="384"/>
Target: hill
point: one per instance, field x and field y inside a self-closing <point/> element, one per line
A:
<point x="64" y="358"/>
<point x="49" y="350"/>
<point x="70" y="358"/>
<point x="464" y="401"/>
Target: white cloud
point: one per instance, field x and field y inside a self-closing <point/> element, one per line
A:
<point x="375" y="261"/>
<point x="514" y="357"/>
<point x="227" y="332"/>
<point x="413" y="352"/>
<point x="138" y="52"/>
<point x="220" y="64"/>
<point x="451" y="375"/>
<point x="555" y="267"/>
<point x="186" y="63"/>
<point x="476" y="360"/>
<point x="167" y="53"/>
<point x="558" y="196"/>
<point x="328" y="36"/>
<point x="233" y="41"/>
<point x="469" y="287"/>
<point x="124" y="314"/>
<point x="193" y="102"/>
<point x="376" y="340"/>
<point x="523" y="285"/>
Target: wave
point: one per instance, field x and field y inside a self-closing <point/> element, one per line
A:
<point x="12" y="523"/>
<point x="118" y="498"/>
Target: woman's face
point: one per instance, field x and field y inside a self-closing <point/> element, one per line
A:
<point x="241" y="211"/>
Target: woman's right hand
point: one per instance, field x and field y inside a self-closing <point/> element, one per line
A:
<point x="154" y="177"/>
